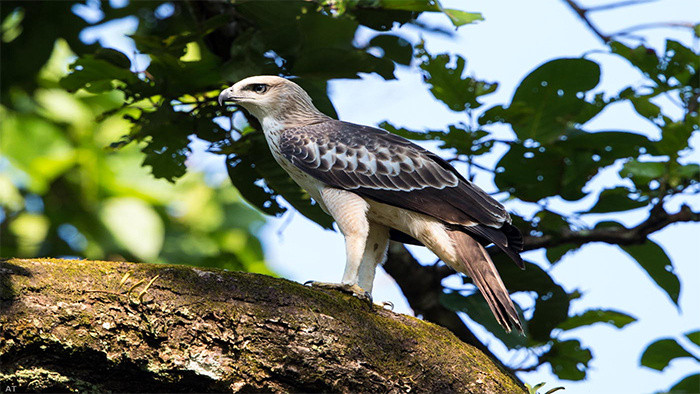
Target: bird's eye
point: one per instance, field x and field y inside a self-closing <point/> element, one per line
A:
<point x="259" y="88"/>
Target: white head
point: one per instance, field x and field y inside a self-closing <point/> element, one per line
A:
<point x="275" y="99"/>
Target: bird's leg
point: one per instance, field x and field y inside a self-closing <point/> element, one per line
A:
<point x="376" y="248"/>
<point x="354" y="246"/>
<point x="350" y="213"/>
<point x="355" y="242"/>
<point x="354" y="250"/>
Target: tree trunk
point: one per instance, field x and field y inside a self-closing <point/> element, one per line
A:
<point x="69" y="325"/>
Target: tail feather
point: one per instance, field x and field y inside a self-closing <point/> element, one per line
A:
<point x="476" y="263"/>
<point x="506" y="238"/>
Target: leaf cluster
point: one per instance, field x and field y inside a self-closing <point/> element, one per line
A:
<point x="552" y="158"/>
<point x="660" y="353"/>
<point x="64" y="194"/>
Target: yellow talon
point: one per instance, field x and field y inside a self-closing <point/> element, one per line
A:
<point x="145" y="289"/>
<point x="124" y="279"/>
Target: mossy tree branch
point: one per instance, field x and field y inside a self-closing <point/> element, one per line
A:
<point x="116" y="326"/>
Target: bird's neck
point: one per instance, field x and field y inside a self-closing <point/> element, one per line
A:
<point x="291" y="109"/>
<point x="274" y="122"/>
<point x="273" y="126"/>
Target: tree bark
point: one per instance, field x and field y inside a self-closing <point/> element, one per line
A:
<point x="69" y="325"/>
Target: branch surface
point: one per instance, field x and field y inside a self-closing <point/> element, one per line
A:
<point x="124" y="327"/>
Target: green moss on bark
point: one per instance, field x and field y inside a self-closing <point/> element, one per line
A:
<point x="207" y="330"/>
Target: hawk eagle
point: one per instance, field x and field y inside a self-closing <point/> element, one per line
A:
<point x="378" y="186"/>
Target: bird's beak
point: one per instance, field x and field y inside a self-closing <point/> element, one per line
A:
<point x="227" y="95"/>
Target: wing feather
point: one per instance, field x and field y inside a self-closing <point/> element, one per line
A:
<point x="392" y="170"/>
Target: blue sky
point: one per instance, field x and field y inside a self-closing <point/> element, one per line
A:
<point x="515" y="38"/>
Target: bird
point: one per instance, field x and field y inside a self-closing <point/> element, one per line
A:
<point x="379" y="186"/>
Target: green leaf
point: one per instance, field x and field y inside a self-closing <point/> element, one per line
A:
<point x="641" y="173"/>
<point x="429" y="135"/>
<point x="654" y="260"/>
<point x="674" y="137"/>
<point x="96" y="75"/>
<point x="329" y="63"/>
<point x="548" y="102"/>
<point x="463" y="141"/>
<point x="549" y="222"/>
<point x="448" y="85"/>
<point x="312" y="45"/>
<point x="38" y="147"/>
<point x="563" y="167"/>
<point x="660" y="353"/>
<point x="457" y="17"/>
<point x="616" y="200"/>
<point x="645" y="59"/>
<point x="645" y="107"/>
<point x="694" y="336"/>
<point x="568" y="359"/>
<point x="533" y="389"/>
<point x="395" y="48"/>
<point x="682" y="64"/>
<point x="461" y="18"/>
<point x="114" y="57"/>
<point x="475" y="306"/>
<point x="609" y="224"/>
<point x="457" y="137"/>
<point x="609" y="145"/>
<point x="551" y="308"/>
<point x="381" y="15"/>
<point x="593" y="316"/>
<point x="173" y="46"/>
<point x="122" y="215"/>
<point x="676" y="62"/>
<point x="531" y="174"/>
<point x="175" y="78"/>
<point x="683" y="175"/>
<point x="688" y="385"/>
<point x="382" y="19"/>
<point x="167" y="133"/>
<point x="552" y="302"/>
<point x="242" y="173"/>
<point x="411" y="5"/>
<point x="31" y="38"/>
<point x="554" y="390"/>
<point x="166" y="162"/>
<point x="554" y="254"/>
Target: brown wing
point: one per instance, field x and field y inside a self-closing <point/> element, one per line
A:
<point x="392" y="170"/>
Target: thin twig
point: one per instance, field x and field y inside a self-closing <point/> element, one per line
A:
<point x="479" y="166"/>
<point x="528" y="369"/>
<point x="620" y="4"/>
<point x="657" y="220"/>
<point x="582" y="14"/>
<point x="507" y="142"/>
<point x="606" y="38"/>
<point x="655" y="25"/>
